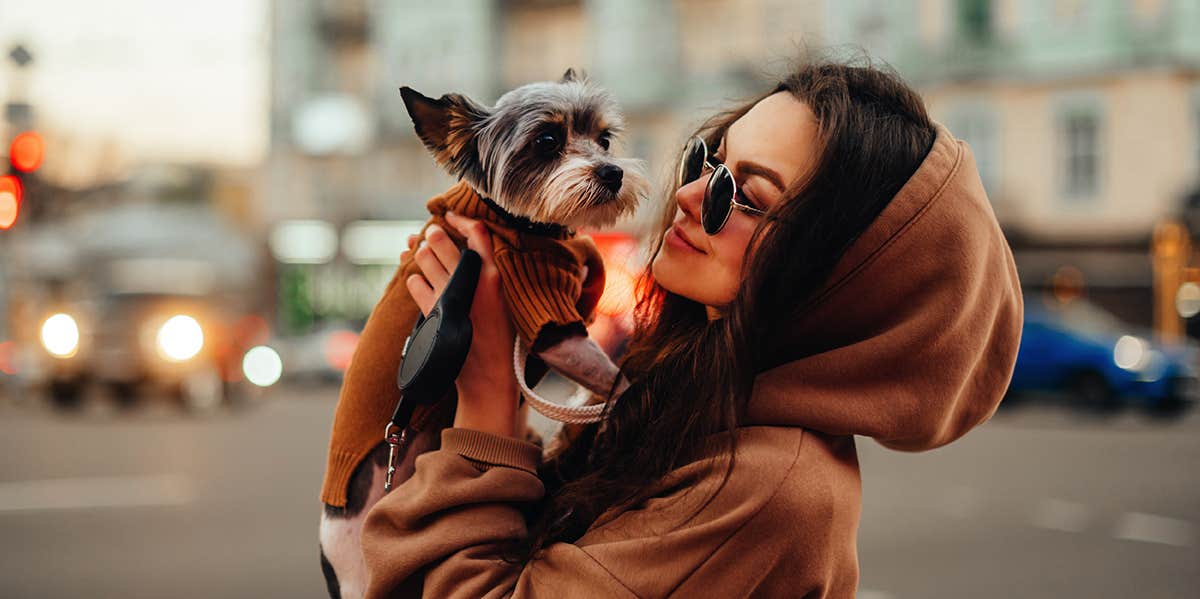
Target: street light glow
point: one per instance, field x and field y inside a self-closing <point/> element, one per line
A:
<point x="180" y="338"/>
<point x="60" y="335"/>
<point x="8" y="209"/>
<point x="26" y="151"/>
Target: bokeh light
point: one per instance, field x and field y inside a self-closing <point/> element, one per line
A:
<point x="9" y="208"/>
<point x="60" y="335"/>
<point x="339" y="348"/>
<point x="1067" y="284"/>
<point x="8" y="350"/>
<point x="180" y="338"/>
<point x="1187" y="299"/>
<point x="1130" y="352"/>
<point x="10" y="200"/>
<point x="262" y="366"/>
<point x="253" y="329"/>
<point x="27" y="151"/>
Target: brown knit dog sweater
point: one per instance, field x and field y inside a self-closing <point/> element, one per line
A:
<point x="540" y="276"/>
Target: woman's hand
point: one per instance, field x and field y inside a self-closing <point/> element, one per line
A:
<point x="487" y="387"/>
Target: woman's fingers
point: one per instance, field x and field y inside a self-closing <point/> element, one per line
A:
<point x="412" y="246"/>
<point x="443" y="247"/>
<point x="433" y="269"/>
<point x="478" y="237"/>
<point x="421" y="292"/>
<point x="438" y="256"/>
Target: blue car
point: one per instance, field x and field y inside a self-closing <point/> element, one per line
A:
<point x="1102" y="362"/>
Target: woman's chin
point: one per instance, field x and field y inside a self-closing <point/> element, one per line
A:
<point x="668" y="272"/>
<point x="661" y="267"/>
<point x="697" y="282"/>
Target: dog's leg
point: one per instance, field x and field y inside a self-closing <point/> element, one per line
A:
<point x="341" y="528"/>
<point x="578" y="358"/>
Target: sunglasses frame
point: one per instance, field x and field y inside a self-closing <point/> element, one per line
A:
<point x="708" y="197"/>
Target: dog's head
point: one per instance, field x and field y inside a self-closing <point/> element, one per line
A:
<point x="541" y="152"/>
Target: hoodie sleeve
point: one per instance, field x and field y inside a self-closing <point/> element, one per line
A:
<point x="435" y="535"/>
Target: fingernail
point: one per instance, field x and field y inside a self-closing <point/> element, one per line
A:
<point x="450" y="213"/>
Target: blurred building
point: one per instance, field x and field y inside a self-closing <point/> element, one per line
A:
<point x="1084" y="117"/>
<point x="342" y="144"/>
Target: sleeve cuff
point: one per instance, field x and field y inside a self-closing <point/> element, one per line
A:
<point x="488" y="450"/>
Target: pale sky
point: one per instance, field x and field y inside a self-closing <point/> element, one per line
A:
<point x="158" y="80"/>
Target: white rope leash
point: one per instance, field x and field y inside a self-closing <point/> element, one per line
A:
<point x="569" y="414"/>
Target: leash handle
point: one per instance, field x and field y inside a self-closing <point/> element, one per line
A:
<point x="433" y="354"/>
<point x="568" y="414"/>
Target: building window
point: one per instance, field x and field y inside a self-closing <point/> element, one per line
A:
<point x="974" y="19"/>
<point x="977" y="125"/>
<point x="1080" y="130"/>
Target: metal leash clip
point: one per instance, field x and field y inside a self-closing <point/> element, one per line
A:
<point x="395" y="437"/>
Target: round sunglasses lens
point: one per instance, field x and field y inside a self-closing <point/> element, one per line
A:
<point x="692" y="162"/>
<point x="718" y="199"/>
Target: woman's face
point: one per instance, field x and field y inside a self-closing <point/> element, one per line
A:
<point x="767" y="149"/>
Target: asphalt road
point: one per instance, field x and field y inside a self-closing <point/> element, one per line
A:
<point x="1036" y="503"/>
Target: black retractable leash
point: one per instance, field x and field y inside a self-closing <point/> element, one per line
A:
<point x="434" y="353"/>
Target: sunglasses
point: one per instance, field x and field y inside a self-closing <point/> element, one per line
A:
<point x="720" y="197"/>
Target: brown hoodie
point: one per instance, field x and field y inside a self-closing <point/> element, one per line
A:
<point x="912" y="342"/>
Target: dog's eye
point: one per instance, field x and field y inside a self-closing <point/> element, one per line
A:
<point x="546" y="143"/>
<point x="604" y="141"/>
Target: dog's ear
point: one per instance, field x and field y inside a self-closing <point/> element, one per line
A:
<point x="447" y="126"/>
<point x="569" y="76"/>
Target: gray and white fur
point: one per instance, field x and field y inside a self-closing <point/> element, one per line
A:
<point x="541" y="152"/>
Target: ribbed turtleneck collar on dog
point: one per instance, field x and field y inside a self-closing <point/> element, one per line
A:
<point x="461" y="198"/>
<point x="526" y="225"/>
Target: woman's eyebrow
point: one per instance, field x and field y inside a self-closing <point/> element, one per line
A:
<point x="754" y="168"/>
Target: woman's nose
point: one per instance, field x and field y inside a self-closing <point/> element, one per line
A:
<point x="690" y="196"/>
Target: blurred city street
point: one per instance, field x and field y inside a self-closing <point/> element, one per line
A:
<point x="201" y="205"/>
<point x="1036" y="503"/>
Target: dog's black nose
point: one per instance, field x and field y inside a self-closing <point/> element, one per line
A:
<point x="610" y="175"/>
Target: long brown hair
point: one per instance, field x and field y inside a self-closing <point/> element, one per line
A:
<point x="691" y="377"/>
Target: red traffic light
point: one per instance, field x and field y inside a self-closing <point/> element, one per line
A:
<point x="26" y="151"/>
<point x="10" y="200"/>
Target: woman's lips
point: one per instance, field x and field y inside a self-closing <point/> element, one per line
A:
<point x="676" y="237"/>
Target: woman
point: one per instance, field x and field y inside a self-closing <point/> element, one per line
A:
<point x="828" y="267"/>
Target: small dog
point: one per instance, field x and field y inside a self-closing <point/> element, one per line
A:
<point x="534" y="167"/>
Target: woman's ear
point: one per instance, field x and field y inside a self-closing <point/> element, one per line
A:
<point x="448" y="126"/>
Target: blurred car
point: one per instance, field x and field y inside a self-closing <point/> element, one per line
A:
<point x="320" y="356"/>
<point x="1102" y="362"/>
<point x="155" y="301"/>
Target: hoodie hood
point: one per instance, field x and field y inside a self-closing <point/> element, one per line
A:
<point x="913" y="339"/>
